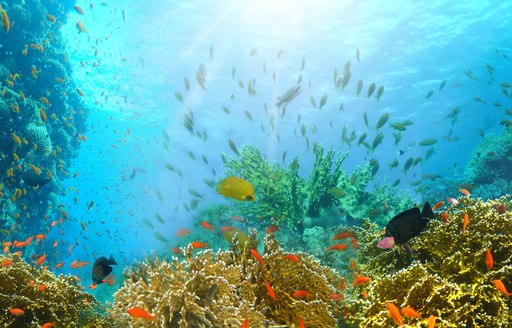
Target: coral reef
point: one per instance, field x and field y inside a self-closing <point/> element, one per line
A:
<point x="284" y="196"/>
<point x="490" y="162"/>
<point x="222" y="289"/>
<point x="45" y="298"/>
<point x="446" y="275"/>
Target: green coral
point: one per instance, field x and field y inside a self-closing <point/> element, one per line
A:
<point x="63" y="302"/>
<point x="222" y="289"/>
<point x="446" y="275"/>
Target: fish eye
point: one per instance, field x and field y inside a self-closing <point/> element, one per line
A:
<point x="249" y="197"/>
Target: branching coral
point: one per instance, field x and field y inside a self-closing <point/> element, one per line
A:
<point x="447" y="275"/>
<point x="61" y="301"/>
<point x="207" y="290"/>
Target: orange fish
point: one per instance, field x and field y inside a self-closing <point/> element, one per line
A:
<point x="343" y="235"/>
<point x="410" y="312"/>
<point x="109" y="280"/>
<point x="175" y="250"/>
<point x="465" y="191"/>
<point x="5" y="20"/>
<point x="41" y="259"/>
<point x="292" y="257"/>
<point x="445" y="217"/>
<point x="301" y="323"/>
<point x="206" y="225"/>
<point x="488" y="259"/>
<point x="270" y="291"/>
<point x="226" y="228"/>
<point x="42" y="114"/>
<point x="48" y="325"/>
<point x="272" y="228"/>
<point x="40" y="236"/>
<point x="92" y="286"/>
<point x="335" y="297"/>
<point x="431" y="321"/>
<point x="198" y="244"/>
<point x="76" y="264"/>
<point x="395" y="313"/>
<point x="501" y="287"/>
<point x="361" y="281"/>
<point x="140" y="313"/>
<point x="353" y="242"/>
<point x="301" y="293"/>
<point x="342" y="284"/>
<point x="437" y="205"/>
<point x="6" y="263"/>
<point x="42" y="287"/>
<point x="465" y="222"/>
<point x="257" y="256"/>
<point x="59" y="265"/>
<point x="182" y="232"/>
<point x="246" y="322"/>
<point x="17" y="312"/>
<point x="337" y="247"/>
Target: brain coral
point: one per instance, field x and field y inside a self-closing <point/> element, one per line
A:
<point x="38" y="135"/>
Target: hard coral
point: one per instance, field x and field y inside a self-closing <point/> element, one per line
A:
<point x="63" y="302"/>
<point x="447" y="274"/>
<point x="221" y="290"/>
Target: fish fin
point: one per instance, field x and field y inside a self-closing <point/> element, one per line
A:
<point x="427" y="212"/>
<point x="111" y="260"/>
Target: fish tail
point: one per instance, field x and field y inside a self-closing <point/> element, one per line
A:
<point x="111" y="260"/>
<point x="427" y="211"/>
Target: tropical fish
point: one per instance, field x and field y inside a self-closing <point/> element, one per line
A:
<point x="198" y="244"/>
<point x="431" y="321"/>
<point x="257" y="256"/>
<point x="272" y="228"/>
<point x="383" y="119"/>
<point x="361" y="281"/>
<point x="465" y="222"/>
<point x="140" y="313"/>
<point x="288" y="96"/>
<point x="488" y="259"/>
<point x="359" y="87"/>
<point x="292" y="257"/>
<point x="410" y="312"/>
<point x="395" y="313"/>
<point x="301" y="293"/>
<point x="236" y="188"/>
<point x="437" y="205"/>
<point x="182" y="232"/>
<point x="442" y="84"/>
<point x="409" y="223"/>
<point x="233" y="146"/>
<point x="377" y="140"/>
<point x="501" y="287"/>
<point x="337" y="247"/>
<point x="380" y="91"/>
<point x="501" y="209"/>
<point x="429" y="94"/>
<point x="246" y="322"/>
<point x="16" y="312"/>
<point x="371" y="88"/>
<point x="5" y="20"/>
<point x="229" y="232"/>
<point x="270" y="291"/>
<point x="323" y="101"/>
<point x="386" y="243"/>
<point x="206" y="225"/>
<point x="428" y="142"/>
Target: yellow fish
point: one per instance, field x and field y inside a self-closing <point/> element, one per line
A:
<point x="236" y="188"/>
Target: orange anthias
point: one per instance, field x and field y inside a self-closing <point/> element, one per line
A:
<point x="465" y="222"/>
<point x="361" y="281"/>
<point x="337" y="247"/>
<point x="501" y="287"/>
<point x="488" y="259"/>
<point x="301" y="293"/>
<point x="140" y="313"/>
<point x="257" y="256"/>
<point x="198" y="244"/>
<point x="410" y="312"/>
<point x="395" y="313"/>
<point x="270" y="291"/>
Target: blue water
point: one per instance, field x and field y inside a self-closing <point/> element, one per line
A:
<point x="145" y="49"/>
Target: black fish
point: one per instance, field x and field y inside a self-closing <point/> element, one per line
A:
<point x="409" y="224"/>
<point x="34" y="180"/>
<point x="102" y="268"/>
